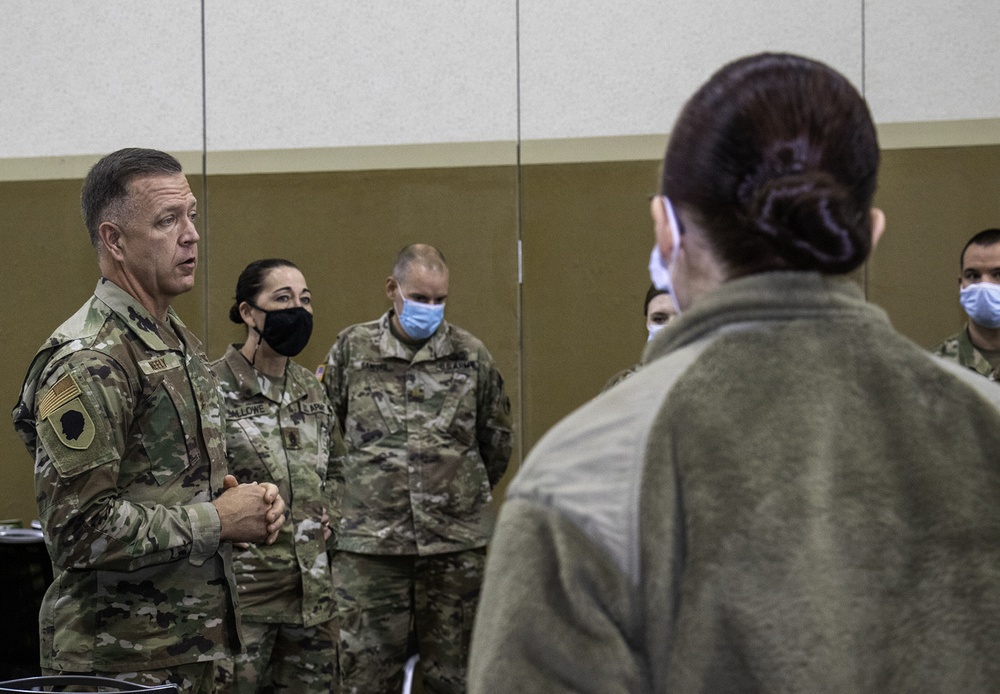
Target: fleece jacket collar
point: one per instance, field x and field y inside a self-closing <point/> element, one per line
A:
<point x="761" y="298"/>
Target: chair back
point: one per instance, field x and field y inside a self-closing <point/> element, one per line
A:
<point x="89" y="684"/>
<point x="26" y="574"/>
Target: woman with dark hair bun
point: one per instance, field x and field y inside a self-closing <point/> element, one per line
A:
<point x="773" y="165"/>
<point x="788" y="496"/>
<point x="280" y="427"/>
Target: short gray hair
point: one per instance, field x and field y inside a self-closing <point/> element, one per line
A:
<point x="106" y="187"/>
<point x="420" y="253"/>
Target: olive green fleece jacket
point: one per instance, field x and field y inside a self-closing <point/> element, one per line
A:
<point x="788" y="497"/>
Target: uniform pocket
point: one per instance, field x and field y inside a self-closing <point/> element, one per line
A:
<point x="458" y="410"/>
<point x="370" y="414"/>
<point x="249" y="451"/>
<point x="169" y="427"/>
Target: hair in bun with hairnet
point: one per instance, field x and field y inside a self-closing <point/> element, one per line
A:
<point x="776" y="157"/>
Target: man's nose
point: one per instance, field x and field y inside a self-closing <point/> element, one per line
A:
<point x="189" y="234"/>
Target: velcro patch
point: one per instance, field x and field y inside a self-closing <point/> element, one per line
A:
<point x="255" y="410"/>
<point x="290" y="438"/>
<point x="160" y="363"/>
<point x="62" y="392"/>
<point x="73" y="425"/>
<point x="320" y="370"/>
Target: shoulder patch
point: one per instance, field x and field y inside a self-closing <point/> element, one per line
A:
<point x="62" y="392"/>
<point x="319" y="371"/>
<point x="72" y="425"/>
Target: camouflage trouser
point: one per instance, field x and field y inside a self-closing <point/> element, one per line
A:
<point x="283" y="658"/>
<point x="190" y="678"/>
<point x="379" y="598"/>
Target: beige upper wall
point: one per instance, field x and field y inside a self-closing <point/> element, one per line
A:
<point x="91" y="76"/>
<point x="314" y="73"/>
<point x="928" y="60"/>
<point x="591" y="68"/>
<point x="84" y="77"/>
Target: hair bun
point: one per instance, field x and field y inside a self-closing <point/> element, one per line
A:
<point x="234" y="314"/>
<point x="809" y="218"/>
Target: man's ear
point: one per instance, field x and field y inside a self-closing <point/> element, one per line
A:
<point x="111" y="237"/>
<point x="391" y="288"/>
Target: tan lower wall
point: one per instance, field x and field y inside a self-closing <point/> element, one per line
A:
<point x="586" y="238"/>
<point x="934" y="201"/>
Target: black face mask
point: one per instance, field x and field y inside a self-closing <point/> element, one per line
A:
<point x="286" y="330"/>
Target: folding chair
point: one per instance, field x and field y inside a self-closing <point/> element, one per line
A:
<point x="94" y="684"/>
<point x="26" y="573"/>
<point x="408" y="670"/>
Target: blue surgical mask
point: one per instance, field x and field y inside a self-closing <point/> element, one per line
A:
<point x="419" y="320"/>
<point x="659" y="273"/>
<point x="982" y="302"/>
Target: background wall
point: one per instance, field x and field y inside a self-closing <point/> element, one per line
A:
<point x="935" y="200"/>
<point x="333" y="133"/>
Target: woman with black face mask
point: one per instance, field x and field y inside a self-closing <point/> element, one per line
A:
<point x="280" y="428"/>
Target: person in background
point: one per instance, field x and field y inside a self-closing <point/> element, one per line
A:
<point x="122" y="418"/>
<point x="789" y="496"/>
<point x="977" y="347"/>
<point x="428" y="432"/>
<point x="658" y="311"/>
<point x="280" y="427"/>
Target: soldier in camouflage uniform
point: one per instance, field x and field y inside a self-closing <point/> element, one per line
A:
<point x="280" y="427"/>
<point x="428" y="433"/>
<point x="122" y="417"/>
<point x="977" y="346"/>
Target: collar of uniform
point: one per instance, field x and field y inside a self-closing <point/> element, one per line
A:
<point x="762" y="298"/>
<point x="437" y="345"/>
<point x="253" y="382"/>
<point x="141" y="322"/>
<point x="969" y="355"/>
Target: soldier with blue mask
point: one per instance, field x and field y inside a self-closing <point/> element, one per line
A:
<point x="123" y="420"/>
<point x="977" y="346"/>
<point x="280" y="427"/>
<point x="428" y="432"/>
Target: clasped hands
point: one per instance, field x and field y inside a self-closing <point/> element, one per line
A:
<point x="250" y="512"/>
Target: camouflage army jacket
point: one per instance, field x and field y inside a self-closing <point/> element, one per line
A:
<point x="123" y="420"/>
<point x="959" y="348"/>
<point x="620" y="376"/>
<point x="428" y="435"/>
<point x="283" y="431"/>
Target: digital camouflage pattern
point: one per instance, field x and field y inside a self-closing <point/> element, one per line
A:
<point x="428" y="435"/>
<point x="292" y="658"/>
<point x="959" y="348"/>
<point x="620" y="376"/>
<point x="440" y="591"/>
<point x="284" y="431"/>
<point x="297" y="446"/>
<point x="123" y="420"/>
